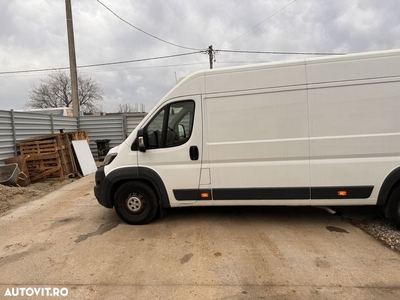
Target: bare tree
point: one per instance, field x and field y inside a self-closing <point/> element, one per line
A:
<point x="55" y="91"/>
<point x="130" y="108"/>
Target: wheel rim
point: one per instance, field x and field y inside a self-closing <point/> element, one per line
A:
<point x="135" y="203"/>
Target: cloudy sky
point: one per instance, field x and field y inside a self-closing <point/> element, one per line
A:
<point x="33" y="36"/>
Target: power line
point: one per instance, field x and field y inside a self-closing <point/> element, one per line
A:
<point x="168" y="56"/>
<point x="99" y="65"/>
<point x="277" y="12"/>
<point x="280" y="52"/>
<point x="149" y="34"/>
<point x="138" y="60"/>
<point x="212" y="53"/>
<point x="142" y="68"/>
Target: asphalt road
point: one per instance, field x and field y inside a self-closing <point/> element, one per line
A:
<point x="67" y="242"/>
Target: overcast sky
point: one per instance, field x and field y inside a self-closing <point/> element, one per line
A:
<point x="33" y="36"/>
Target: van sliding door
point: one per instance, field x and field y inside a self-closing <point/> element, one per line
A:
<point x="258" y="148"/>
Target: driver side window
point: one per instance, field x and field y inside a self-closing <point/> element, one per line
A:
<point x="154" y="131"/>
<point x="172" y="126"/>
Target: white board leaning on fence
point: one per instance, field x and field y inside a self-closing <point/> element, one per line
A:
<point x="85" y="157"/>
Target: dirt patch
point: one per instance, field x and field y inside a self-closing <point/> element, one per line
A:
<point x="11" y="196"/>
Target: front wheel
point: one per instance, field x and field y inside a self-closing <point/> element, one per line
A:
<point x="392" y="207"/>
<point x="136" y="203"/>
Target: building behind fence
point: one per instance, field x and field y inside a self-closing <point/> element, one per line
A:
<point x="17" y="126"/>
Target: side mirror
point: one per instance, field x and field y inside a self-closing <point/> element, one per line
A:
<point x="141" y="141"/>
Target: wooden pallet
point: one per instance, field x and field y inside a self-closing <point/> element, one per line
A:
<point x="51" y="156"/>
<point x="78" y="135"/>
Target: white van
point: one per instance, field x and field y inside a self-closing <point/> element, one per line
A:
<point x="319" y="131"/>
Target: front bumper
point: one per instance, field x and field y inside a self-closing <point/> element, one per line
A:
<point x="100" y="190"/>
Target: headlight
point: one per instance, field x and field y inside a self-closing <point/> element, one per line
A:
<point x="109" y="158"/>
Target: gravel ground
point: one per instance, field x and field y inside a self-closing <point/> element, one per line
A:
<point x="381" y="230"/>
<point x="372" y="220"/>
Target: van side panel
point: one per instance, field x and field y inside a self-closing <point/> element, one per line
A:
<point x="257" y="142"/>
<point x="256" y="77"/>
<point x="369" y="65"/>
<point x="354" y="108"/>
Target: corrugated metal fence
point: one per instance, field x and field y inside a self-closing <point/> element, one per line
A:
<point x="17" y="126"/>
<point x="105" y="127"/>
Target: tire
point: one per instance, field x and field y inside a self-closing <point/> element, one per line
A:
<point x="136" y="203"/>
<point x="392" y="207"/>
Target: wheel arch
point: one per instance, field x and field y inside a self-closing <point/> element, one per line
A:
<point x="118" y="177"/>
<point x="391" y="181"/>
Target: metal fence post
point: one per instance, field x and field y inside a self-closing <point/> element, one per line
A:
<point x="52" y="124"/>
<point x="124" y="127"/>
<point x="14" y="132"/>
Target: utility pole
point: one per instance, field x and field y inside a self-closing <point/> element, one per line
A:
<point x="211" y="55"/>
<point x="72" y="60"/>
